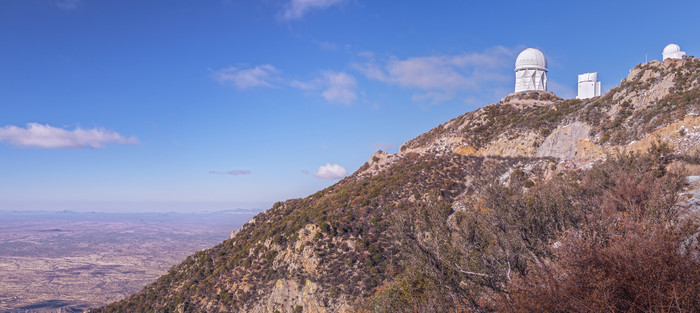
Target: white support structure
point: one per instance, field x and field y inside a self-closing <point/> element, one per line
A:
<point x="673" y="51"/>
<point x="530" y="71"/>
<point x="588" y="86"/>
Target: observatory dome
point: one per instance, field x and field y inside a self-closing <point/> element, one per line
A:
<point x="531" y="59"/>
<point x="673" y="51"/>
<point x="672" y="48"/>
<point x="530" y="71"/>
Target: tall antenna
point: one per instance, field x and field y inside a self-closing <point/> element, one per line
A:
<point x="646" y="58"/>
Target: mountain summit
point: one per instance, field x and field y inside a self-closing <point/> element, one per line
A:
<point x="476" y="213"/>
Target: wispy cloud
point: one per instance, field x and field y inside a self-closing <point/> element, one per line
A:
<point x="231" y="172"/>
<point x="68" y="4"/>
<point x="439" y="78"/>
<point x="340" y="87"/>
<point x="296" y="9"/>
<point x="331" y="171"/>
<point x="306" y="86"/>
<point x="335" y="87"/>
<point x="326" y="45"/>
<point x="46" y="136"/>
<point x="244" y="78"/>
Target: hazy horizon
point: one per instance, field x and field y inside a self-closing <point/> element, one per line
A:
<point x="120" y="207"/>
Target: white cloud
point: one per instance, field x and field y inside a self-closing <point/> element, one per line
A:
<point x="243" y="78"/>
<point x="68" y="4"/>
<point x="439" y="78"/>
<point x="427" y="73"/>
<point x="340" y="87"/>
<point x="231" y="172"/>
<point x="335" y="87"/>
<point x="46" y="136"/>
<point x="304" y="85"/>
<point x="331" y="171"/>
<point x="373" y="71"/>
<point x="296" y="9"/>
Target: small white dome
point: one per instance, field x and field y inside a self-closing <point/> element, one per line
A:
<point x="673" y="51"/>
<point x="531" y="59"/>
<point x="672" y="48"/>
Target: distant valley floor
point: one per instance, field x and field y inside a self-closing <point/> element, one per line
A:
<point x="51" y="261"/>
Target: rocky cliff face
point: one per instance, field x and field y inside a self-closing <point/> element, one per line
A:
<point x="332" y="251"/>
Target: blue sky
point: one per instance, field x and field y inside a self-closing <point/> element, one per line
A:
<point x="208" y="105"/>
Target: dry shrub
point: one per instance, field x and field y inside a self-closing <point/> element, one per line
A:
<point x="619" y="244"/>
<point x="628" y="255"/>
<point x="638" y="268"/>
<point x="412" y="291"/>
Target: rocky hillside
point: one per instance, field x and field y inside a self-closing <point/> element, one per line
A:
<point x="465" y="214"/>
<point x="656" y="100"/>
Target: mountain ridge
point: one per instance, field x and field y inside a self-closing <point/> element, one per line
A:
<point x="535" y="115"/>
<point x="343" y="248"/>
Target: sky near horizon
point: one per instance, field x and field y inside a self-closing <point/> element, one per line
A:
<point x="209" y="105"/>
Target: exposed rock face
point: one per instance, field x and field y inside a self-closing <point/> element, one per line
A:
<point x="564" y="142"/>
<point x="288" y="295"/>
<point x="692" y="196"/>
<point x="379" y="161"/>
<point x="650" y="73"/>
<point x="683" y="136"/>
<point x="524" y="145"/>
<point x="301" y="256"/>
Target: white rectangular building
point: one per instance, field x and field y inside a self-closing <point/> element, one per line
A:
<point x="588" y="86"/>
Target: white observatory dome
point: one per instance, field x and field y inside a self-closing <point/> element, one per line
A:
<point x="673" y="51"/>
<point x="531" y="59"/>
<point x="530" y="71"/>
<point x="672" y="48"/>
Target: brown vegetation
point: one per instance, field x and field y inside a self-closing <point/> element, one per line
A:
<point x="630" y="254"/>
<point x="609" y="237"/>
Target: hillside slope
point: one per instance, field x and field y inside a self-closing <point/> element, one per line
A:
<point x="656" y="100"/>
<point x="457" y="215"/>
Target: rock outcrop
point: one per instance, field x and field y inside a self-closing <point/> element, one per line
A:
<point x="637" y="113"/>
